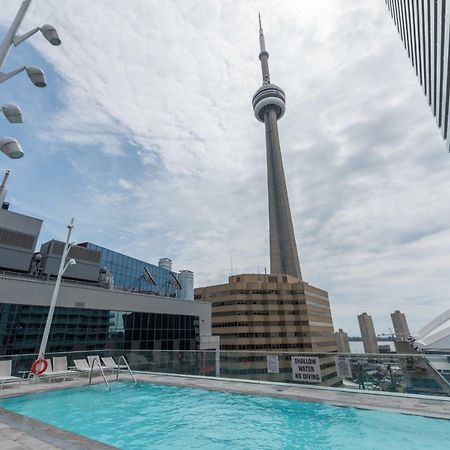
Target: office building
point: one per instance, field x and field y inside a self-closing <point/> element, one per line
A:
<point x="343" y="344"/>
<point x="89" y="317"/>
<point x="99" y="264"/>
<point x="368" y="334"/>
<point x="400" y="326"/>
<point x="270" y="314"/>
<point x="130" y="274"/>
<point x="276" y="312"/>
<point x="423" y="27"/>
<point x="90" y="314"/>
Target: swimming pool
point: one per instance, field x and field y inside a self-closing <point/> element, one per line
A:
<point x="150" y="416"/>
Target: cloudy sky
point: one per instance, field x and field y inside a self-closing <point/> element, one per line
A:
<point x="145" y="134"/>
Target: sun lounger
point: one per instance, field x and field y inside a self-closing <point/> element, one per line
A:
<point x="110" y="363"/>
<point x="58" y="369"/>
<point x="91" y="359"/>
<point x="5" y="373"/>
<point x="82" y="366"/>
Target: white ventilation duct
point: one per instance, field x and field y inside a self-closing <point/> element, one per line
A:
<point x="186" y="279"/>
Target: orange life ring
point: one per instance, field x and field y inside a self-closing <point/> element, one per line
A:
<point x="38" y="362"/>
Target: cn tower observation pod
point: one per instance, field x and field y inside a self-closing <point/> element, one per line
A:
<point x="269" y="96"/>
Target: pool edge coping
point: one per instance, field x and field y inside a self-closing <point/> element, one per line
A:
<point x="50" y="434"/>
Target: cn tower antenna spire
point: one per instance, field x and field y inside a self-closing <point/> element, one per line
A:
<point x="264" y="54"/>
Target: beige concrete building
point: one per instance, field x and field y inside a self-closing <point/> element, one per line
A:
<point x="272" y="313"/>
<point x="343" y="344"/>
<point x="368" y="334"/>
<point x="400" y="325"/>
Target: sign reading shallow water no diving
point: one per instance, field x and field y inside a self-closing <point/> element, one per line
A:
<point x="306" y="369"/>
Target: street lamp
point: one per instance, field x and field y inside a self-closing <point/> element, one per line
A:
<point x="62" y="268"/>
<point x="35" y="74"/>
<point x="11" y="148"/>
<point x="12" y="113"/>
<point x="12" y="38"/>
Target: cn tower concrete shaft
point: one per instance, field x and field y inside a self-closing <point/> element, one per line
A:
<point x="283" y="248"/>
<point x="269" y="104"/>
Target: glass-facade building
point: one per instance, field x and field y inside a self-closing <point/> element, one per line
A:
<point x="424" y="28"/>
<point x="128" y="272"/>
<point x="78" y="329"/>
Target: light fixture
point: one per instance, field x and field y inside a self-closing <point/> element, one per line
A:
<point x="10" y="147"/>
<point x="12" y="113"/>
<point x="50" y="34"/>
<point x="36" y="75"/>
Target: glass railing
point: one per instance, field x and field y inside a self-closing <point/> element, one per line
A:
<point x="409" y="374"/>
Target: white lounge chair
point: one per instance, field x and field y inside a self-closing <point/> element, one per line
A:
<point x="111" y="364"/>
<point x="58" y="369"/>
<point x="5" y="373"/>
<point x="91" y="359"/>
<point x="82" y="366"/>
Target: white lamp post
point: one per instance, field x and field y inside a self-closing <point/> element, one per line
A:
<point x="12" y="38"/>
<point x="62" y="268"/>
<point x="35" y="74"/>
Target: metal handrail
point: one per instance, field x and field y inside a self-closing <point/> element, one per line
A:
<point x="122" y="358"/>
<point x="96" y="360"/>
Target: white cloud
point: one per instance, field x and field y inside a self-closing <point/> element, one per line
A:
<point x="163" y="89"/>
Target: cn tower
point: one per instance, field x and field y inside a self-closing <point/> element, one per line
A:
<point x="269" y="105"/>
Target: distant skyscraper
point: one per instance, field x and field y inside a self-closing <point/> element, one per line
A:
<point x="368" y="334"/>
<point x="269" y="104"/>
<point x="343" y="345"/>
<point x="423" y="26"/>
<point x="400" y="325"/>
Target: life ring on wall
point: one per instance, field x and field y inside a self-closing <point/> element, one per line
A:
<point x="179" y="356"/>
<point x="39" y="366"/>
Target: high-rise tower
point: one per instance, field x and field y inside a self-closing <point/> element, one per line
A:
<point x="423" y="27"/>
<point x="269" y="104"/>
<point x="276" y="312"/>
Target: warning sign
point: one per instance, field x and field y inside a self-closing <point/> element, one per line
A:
<point x="273" y="364"/>
<point x="343" y="367"/>
<point x="306" y="369"/>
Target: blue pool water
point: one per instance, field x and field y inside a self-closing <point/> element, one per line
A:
<point x="149" y="416"/>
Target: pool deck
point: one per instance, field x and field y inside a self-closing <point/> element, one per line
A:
<point x="18" y="432"/>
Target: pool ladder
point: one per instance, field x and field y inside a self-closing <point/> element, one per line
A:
<point x="96" y="361"/>
<point x="122" y="358"/>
